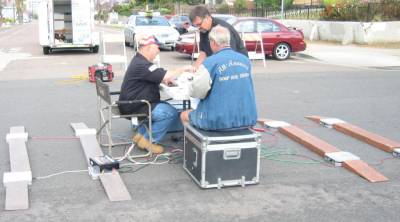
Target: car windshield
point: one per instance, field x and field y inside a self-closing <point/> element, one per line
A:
<point x="185" y="19"/>
<point x="151" y="21"/>
<point x="231" y="20"/>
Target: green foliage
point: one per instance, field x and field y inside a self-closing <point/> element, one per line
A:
<point x="240" y="5"/>
<point x="331" y="2"/>
<point x="276" y="4"/>
<point x="288" y="3"/>
<point x="8" y="20"/>
<point x="223" y="8"/>
<point x="195" y="2"/>
<point x="355" y="10"/>
<point x="164" y="7"/>
<point x="123" y="9"/>
<point x="165" y="11"/>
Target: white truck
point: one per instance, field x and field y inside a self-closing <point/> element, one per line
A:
<point x="67" y="24"/>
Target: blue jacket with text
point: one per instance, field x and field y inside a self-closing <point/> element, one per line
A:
<point x="230" y="103"/>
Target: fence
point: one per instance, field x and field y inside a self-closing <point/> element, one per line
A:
<point x="295" y="12"/>
<point x="384" y="11"/>
<point x="388" y="10"/>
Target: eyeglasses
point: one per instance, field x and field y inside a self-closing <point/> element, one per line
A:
<point x="199" y="24"/>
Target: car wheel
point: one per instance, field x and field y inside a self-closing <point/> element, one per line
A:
<point x="46" y="50"/>
<point x="282" y="51"/>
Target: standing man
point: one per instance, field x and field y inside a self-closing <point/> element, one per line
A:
<point x="141" y="82"/>
<point x="225" y="86"/>
<point x="202" y="19"/>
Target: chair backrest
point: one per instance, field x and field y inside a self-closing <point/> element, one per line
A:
<point x="114" y="57"/>
<point x="103" y="91"/>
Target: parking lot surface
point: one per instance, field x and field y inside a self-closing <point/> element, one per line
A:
<point x="47" y="93"/>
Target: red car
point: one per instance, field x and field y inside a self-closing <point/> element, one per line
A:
<point x="278" y="40"/>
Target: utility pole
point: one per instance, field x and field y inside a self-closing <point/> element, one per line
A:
<point x="15" y="19"/>
<point x="282" y="8"/>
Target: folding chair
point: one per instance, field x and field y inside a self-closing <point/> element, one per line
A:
<point x="108" y="111"/>
<point x="106" y="56"/>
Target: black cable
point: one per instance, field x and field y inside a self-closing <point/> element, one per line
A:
<point x="131" y="169"/>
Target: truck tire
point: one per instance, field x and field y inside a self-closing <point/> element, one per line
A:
<point x="46" y="50"/>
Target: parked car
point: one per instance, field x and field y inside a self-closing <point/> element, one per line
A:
<point x="181" y="23"/>
<point x="225" y="17"/>
<point x="188" y="43"/>
<point x="178" y="20"/>
<point x="155" y="25"/>
<point x="278" y="40"/>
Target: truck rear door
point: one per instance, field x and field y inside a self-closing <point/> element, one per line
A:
<point x="81" y="18"/>
<point x="46" y="23"/>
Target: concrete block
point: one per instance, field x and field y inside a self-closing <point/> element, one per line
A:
<point x="314" y="34"/>
<point x="348" y="36"/>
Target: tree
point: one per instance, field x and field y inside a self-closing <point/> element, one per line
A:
<point x="1" y="14"/>
<point x="240" y="5"/>
<point x="19" y="4"/>
<point x="273" y="3"/>
<point x="195" y="2"/>
<point x="1" y="9"/>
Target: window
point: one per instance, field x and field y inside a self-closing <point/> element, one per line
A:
<point x="267" y="26"/>
<point x="185" y="19"/>
<point x="175" y="19"/>
<point x="151" y="21"/>
<point x="131" y="21"/>
<point x="245" y="26"/>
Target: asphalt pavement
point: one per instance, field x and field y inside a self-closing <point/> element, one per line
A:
<point x="40" y="93"/>
<point x="353" y="55"/>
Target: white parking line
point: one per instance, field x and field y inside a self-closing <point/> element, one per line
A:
<point x="12" y="32"/>
<point x="6" y="58"/>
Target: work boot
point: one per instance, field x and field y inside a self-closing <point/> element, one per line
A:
<point x="143" y="143"/>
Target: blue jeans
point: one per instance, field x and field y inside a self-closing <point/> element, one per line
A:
<point x="165" y="118"/>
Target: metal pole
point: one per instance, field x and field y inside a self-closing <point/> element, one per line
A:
<point x="15" y="19"/>
<point x="282" y="8"/>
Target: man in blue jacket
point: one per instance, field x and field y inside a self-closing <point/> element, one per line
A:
<point x="225" y="86"/>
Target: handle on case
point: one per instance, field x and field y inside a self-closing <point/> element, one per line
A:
<point x="232" y="154"/>
<point x="194" y="157"/>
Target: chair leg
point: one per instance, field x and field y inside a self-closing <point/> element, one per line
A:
<point x="110" y="142"/>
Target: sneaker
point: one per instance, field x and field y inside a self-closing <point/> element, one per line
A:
<point x="143" y="143"/>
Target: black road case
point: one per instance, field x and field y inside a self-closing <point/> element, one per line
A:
<point x="218" y="159"/>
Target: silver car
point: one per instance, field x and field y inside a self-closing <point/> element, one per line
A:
<point x="155" y="25"/>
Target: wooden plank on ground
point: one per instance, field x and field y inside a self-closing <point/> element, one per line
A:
<point x="364" y="170"/>
<point x="363" y="135"/>
<point x="309" y="141"/>
<point x="321" y="148"/>
<point x="112" y="181"/>
<point x="17" y="196"/>
<point x="373" y="139"/>
<point x="114" y="186"/>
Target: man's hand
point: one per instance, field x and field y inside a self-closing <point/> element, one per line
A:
<point x="189" y="68"/>
<point x="200" y="59"/>
<point x="171" y="75"/>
